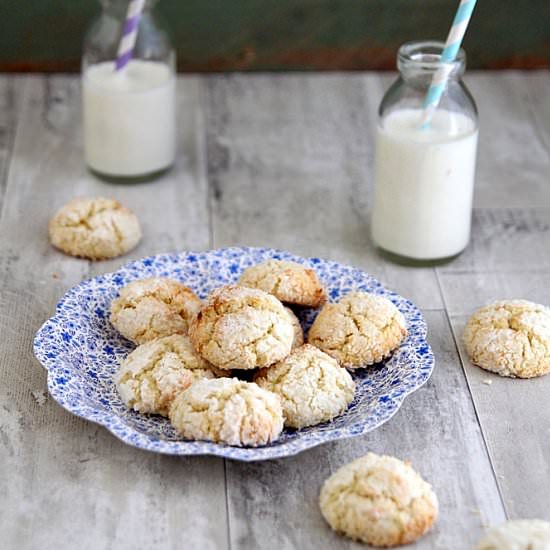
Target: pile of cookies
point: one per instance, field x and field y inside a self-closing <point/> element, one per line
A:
<point x="235" y="369"/>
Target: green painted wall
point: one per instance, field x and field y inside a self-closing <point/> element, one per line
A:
<point x="214" y="35"/>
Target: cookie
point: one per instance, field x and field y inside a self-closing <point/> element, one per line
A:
<point x="312" y="387"/>
<point x="358" y="330"/>
<point x="96" y="229"/>
<point x="511" y="338"/>
<point x="288" y="281"/>
<point x="298" y="339"/>
<point x="227" y="410"/>
<point x="379" y="500"/>
<point x="521" y="534"/>
<point x="242" y="328"/>
<point x="151" y="376"/>
<point x="151" y="308"/>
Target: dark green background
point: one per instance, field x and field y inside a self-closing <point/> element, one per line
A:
<point x="218" y="35"/>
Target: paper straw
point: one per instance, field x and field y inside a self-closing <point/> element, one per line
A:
<point x="129" y="33"/>
<point x="452" y="45"/>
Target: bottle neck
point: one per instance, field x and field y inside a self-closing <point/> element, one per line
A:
<point x="417" y="62"/>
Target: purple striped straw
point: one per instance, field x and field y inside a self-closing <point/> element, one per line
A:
<point x="129" y="34"/>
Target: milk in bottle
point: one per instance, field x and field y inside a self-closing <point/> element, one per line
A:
<point x="424" y="182"/>
<point x="129" y="109"/>
<point x="129" y="118"/>
<point x="424" y="177"/>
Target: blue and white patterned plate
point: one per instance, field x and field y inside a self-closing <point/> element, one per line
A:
<point x="81" y="351"/>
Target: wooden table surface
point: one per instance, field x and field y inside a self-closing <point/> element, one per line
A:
<point x="281" y="161"/>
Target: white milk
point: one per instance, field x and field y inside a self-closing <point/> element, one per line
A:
<point x="129" y="118"/>
<point x="424" y="183"/>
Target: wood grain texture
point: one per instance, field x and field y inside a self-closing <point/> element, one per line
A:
<point x="510" y="239"/>
<point x="290" y="163"/>
<point x="71" y="484"/>
<point x="537" y="91"/>
<point x="9" y="103"/>
<point x="513" y="161"/>
<point x="274" y="505"/>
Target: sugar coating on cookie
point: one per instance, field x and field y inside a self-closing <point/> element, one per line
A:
<point x="242" y="328"/>
<point x="151" y="308"/>
<point x="379" y="500"/>
<point x="312" y="386"/>
<point x="298" y="339"/>
<point x="522" y="534"/>
<point x="511" y="338"/>
<point x="358" y="330"/>
<point x="288" y="281"/>
<point x="94" y="228"/>
<point x="227" y="410"/>
<point x="151" y="376"/>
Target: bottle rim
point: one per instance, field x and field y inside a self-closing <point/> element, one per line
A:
<point x="425" y="55"/>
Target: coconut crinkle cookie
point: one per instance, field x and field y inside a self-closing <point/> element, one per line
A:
<point x="511" y="338"/>
<point x="151" y="376"/>
<point x="242" y="328"/>
<point x="379" y="500"/>
<point x="152" y="308"/>
<point x="96" y="228"/>
<point x="522" y="534"/>
<point x="358" y="330"/>
<point x="288" y="281"/>
<point x="312" y="386"/>
<point x="227" y="410"/>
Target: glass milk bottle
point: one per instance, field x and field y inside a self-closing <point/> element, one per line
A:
<point x="424" y="178"/>
<point x="129" y="114"/>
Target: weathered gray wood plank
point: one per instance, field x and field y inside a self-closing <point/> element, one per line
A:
<point x="71" y="484"/>
<point x="275" y="504"/>
<point x="538" y="84"/>
<point x="513" y="162"/>
<point x="290" y="163"/>
<point x="508" y="239"/>
<point x="8" y="110"/>
<point x="514" y="414"/>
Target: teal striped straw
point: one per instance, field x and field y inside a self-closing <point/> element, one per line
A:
<point x="452" y="45"/>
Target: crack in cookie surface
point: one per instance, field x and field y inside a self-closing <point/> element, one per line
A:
<point x="359" y="330"/>
<point x="288" y="281"/>
<point x="152" y="308"/>
<point x="242" y="328"/>
<point x="379" y="500"/>
<point x="94" y="228"/>
<point x="228" y="410"/>
<point x="312" y="386"/>
<point x="510" y="338"/>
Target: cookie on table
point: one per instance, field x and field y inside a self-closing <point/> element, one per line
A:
<point x="151" y="308"/>
<point x="298" y="331"/>
<point x="94" y="228"/>
<point x="511" y="338"/>
<point x="242" y="328"/>
<point x="151" y="376"/>
<point x="379" y="500"/>
<point x="227" y="410"/>
<point x="288" y="281"/>
<point x="521" y="534"/>
<point x="358" y="330"/>
<point x="312" y="386"/>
